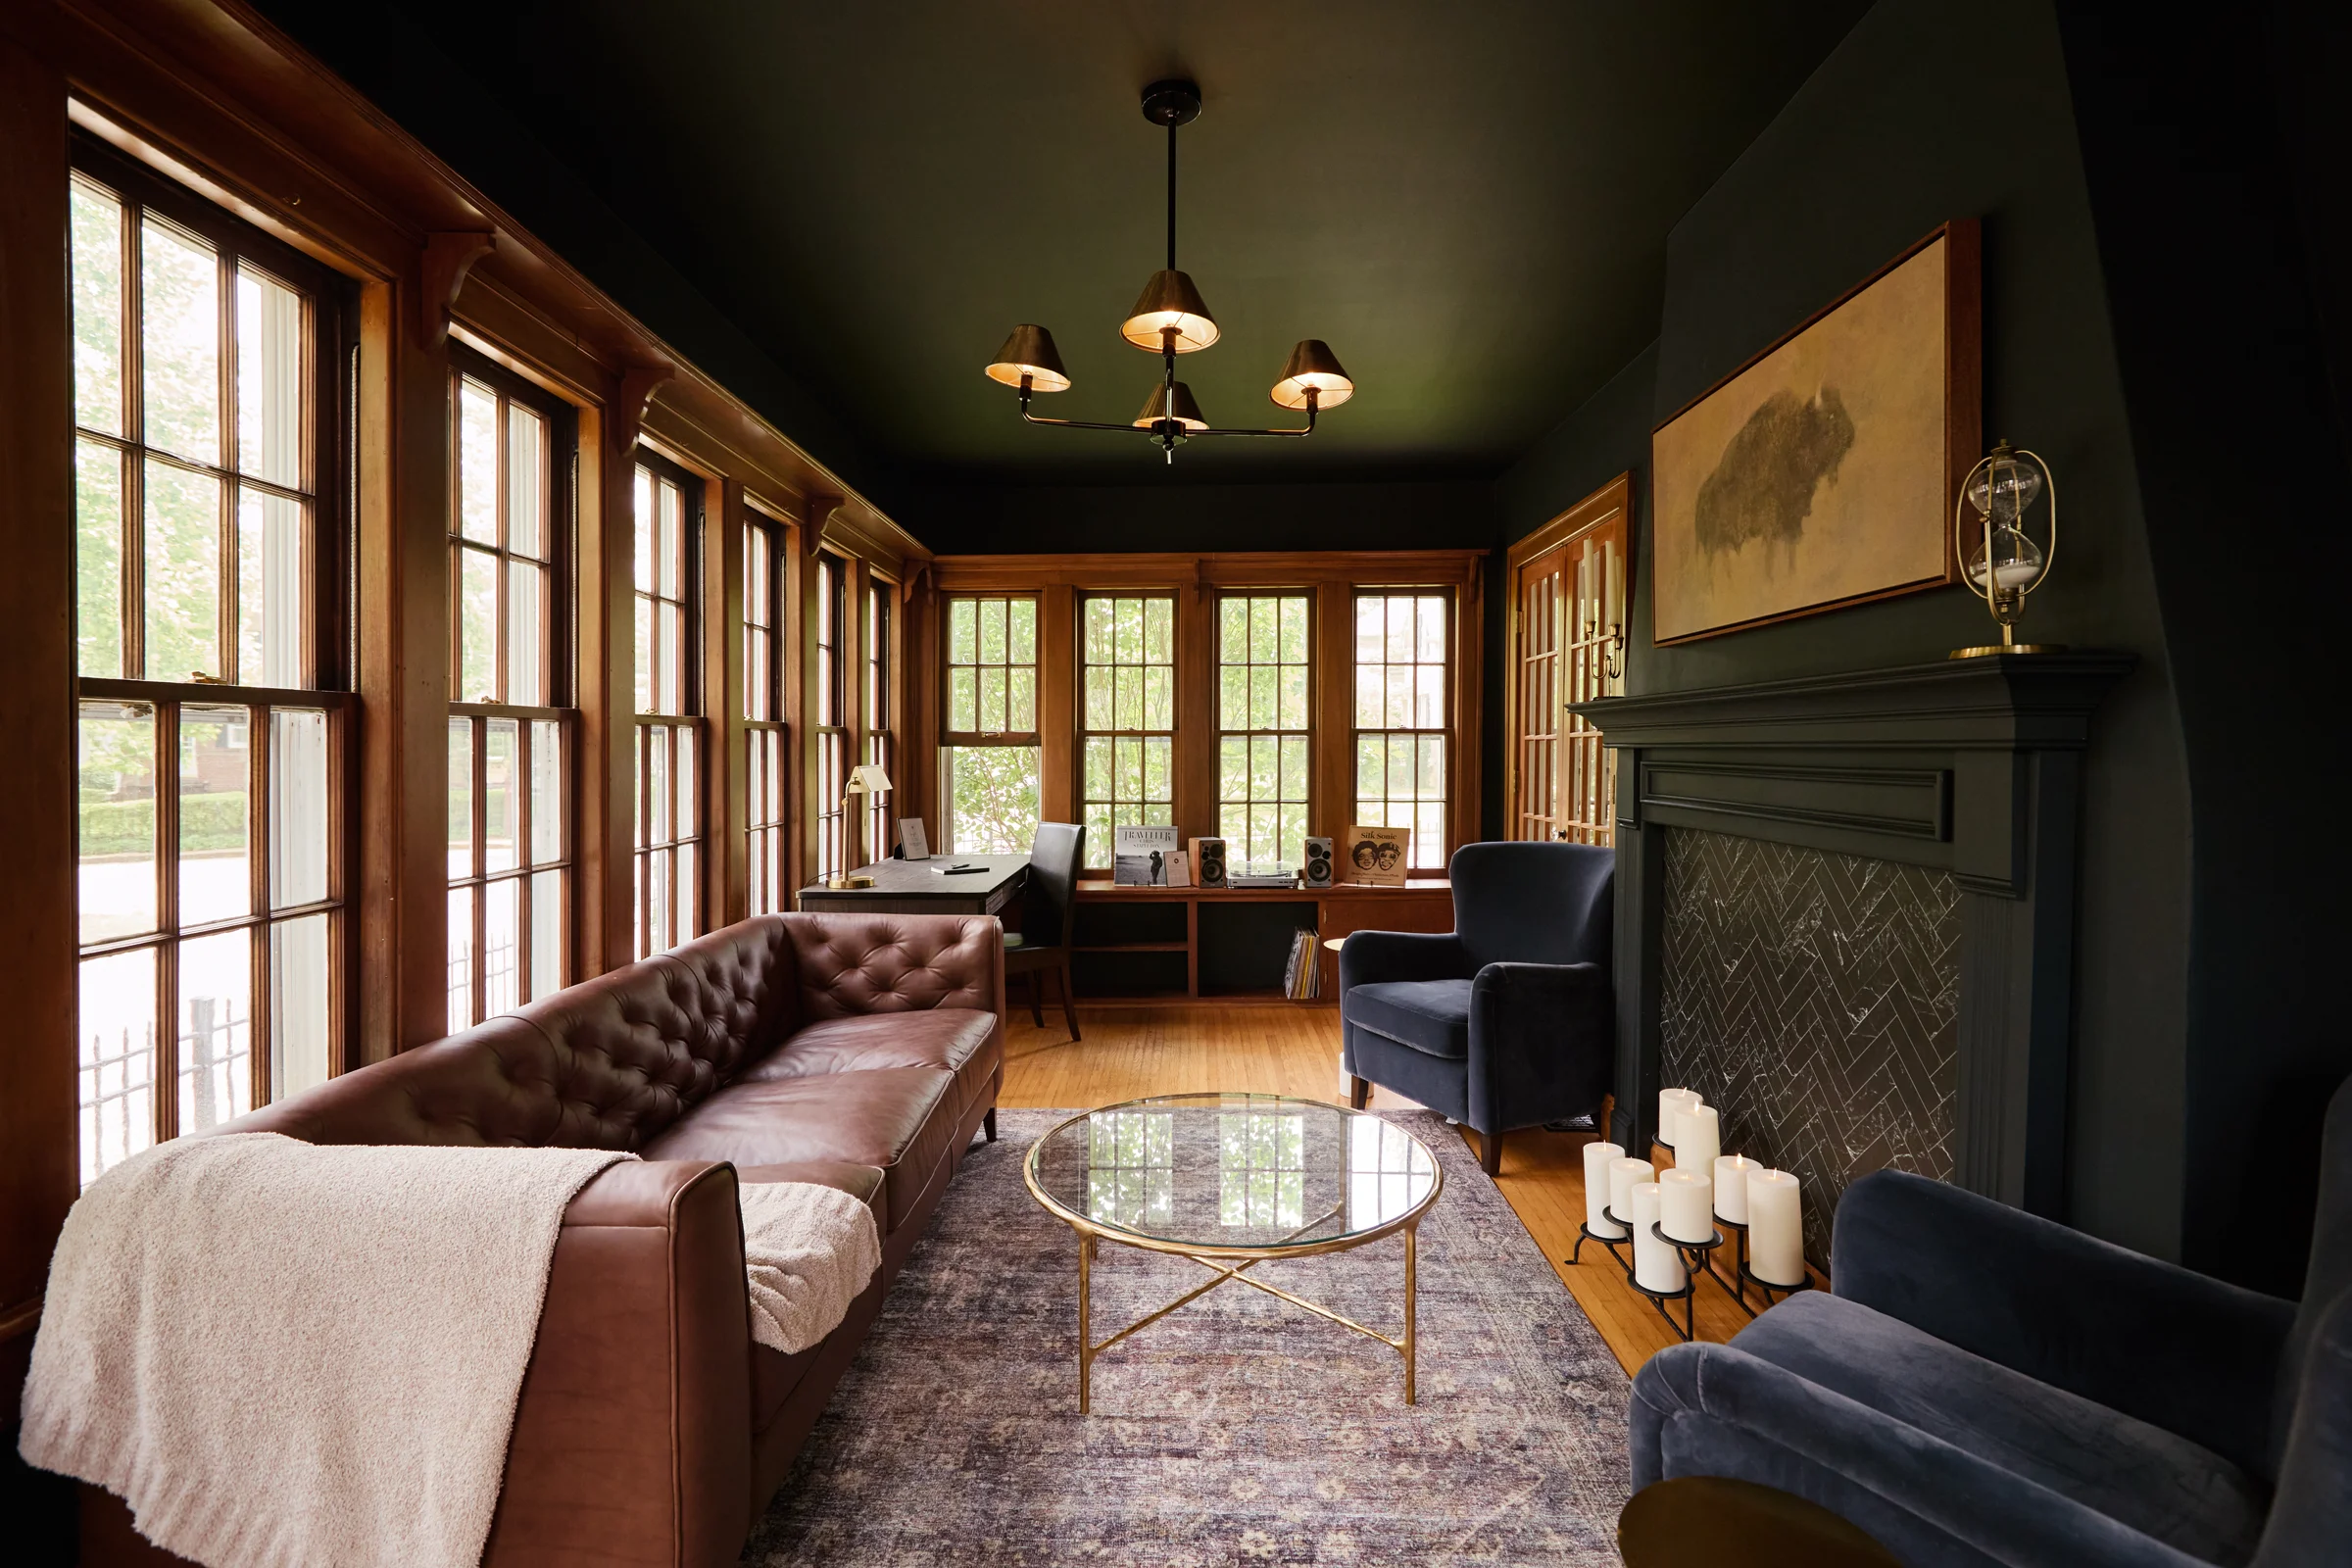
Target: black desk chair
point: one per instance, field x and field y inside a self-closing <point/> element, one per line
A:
<point x="1044" y="941"/>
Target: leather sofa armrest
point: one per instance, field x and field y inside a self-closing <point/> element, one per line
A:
<point x="1368" y="957"/>
<point x="632" y="1436"/>
<point x="2177" y="1348"/>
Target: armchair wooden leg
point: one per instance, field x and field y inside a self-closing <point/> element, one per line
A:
<point x="988" y="1124"/>
<point x="1036" y="991"/>
<point x="1069" y="1007"/>
<point x="1490" y="1154"/>
<point x="1359" y="1092"/>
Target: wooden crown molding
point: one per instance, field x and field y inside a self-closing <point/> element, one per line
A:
<point x="1265" y="568"/>
<point x="636" y="390"/>
<point x="1611" y="499"/>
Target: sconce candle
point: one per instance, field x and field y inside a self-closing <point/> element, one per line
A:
<point x="1598" y="1157"/>
<point x="1658" y="1266"/>
<point x="1701" y="1140"/>
<point x="1672" y="1102"/>
<point x="1685" y="1205"/>
<point x="1624" y="1176"/>
<point x="1776" y="1231"/>
<point x="1731" y="1187"/>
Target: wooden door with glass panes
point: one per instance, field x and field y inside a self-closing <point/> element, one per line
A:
<point x="1568" y="587"/>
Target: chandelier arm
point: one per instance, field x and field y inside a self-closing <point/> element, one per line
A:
<point x="1171" y="195"/>
<point x="1083" y="424"/>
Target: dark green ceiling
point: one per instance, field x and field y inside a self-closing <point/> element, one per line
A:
<point x="1469" y="202"/>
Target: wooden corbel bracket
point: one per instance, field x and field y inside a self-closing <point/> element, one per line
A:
<point x="636" y="394"/>
<point x="448" y="258"/>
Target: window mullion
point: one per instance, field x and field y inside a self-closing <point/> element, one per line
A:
<point x="229" y="608"/>
<point x="261" y="862"/>
<point x="165" y="1071"/>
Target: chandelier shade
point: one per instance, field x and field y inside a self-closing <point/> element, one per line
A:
<point x="1030" y="351"/>
<point x="1171" y="300"/>
<point x="1313" y="368"/>
<point x="1171" y="399"/>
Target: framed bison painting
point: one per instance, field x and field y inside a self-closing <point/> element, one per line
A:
<point x="1820" y="472"/>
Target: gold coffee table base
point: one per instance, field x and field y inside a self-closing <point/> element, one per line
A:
<point x="1088" y="1350"/>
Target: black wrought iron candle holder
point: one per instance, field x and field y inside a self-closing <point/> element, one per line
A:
<point x="1586" y="1233"/>
<point x="1687" y="1328"/>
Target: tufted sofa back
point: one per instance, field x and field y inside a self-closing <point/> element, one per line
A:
<point x="855" y="963"/>
<point x="612" y="1061"/>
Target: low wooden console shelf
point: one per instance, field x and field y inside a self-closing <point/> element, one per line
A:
<point x="1137" y="946"/>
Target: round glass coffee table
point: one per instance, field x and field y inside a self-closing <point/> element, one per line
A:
<point x="1232" y="1181"/>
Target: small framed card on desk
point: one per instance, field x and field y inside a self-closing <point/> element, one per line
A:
<point x="913" y="842"/>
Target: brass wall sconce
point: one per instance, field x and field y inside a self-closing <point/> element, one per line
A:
<point x="865" y="779"/>
<point x="2006" y="564"/>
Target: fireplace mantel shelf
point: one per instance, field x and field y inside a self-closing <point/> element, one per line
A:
<point x="2000" y="701"/>
<point x="1971" y="766"/>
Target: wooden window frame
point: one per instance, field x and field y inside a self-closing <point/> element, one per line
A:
<point x="879" y="740"/>
<point x="1586" y="661"/>
<point x="663" y="736"/>
<point x="767" y="732"/>
<point x="1310" y="736"/>
<point x="1097" y="858"/>
<point x="559" y="643"/>
<point x="1034" y="739"/>
<point x="328" y="341"/>
<point x="833" y="729"/>
<point x="1420" y="857"/>
<point x="1330" y="578"/>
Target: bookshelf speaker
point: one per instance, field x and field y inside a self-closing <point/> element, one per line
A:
<point x="1318" y="863"/>
<point x="1209" y="862"/>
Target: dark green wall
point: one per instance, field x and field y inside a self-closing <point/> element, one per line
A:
<point x="1900" y="130"/>
<point x="2213" y="157"/>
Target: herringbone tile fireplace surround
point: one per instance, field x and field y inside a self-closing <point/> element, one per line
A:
<point x="1813" y="998"/>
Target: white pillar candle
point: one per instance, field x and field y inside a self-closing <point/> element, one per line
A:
<point x="1658" y="1266"/>
<point x="1623" y="1175"/>
<point x="1685" y="1204"/>
<point x="1731" y="1187"/>
<point x="1672" y="1102"/>
<point x="1597" y="1159"/>
<point x="1701" y="1140"/>
<point x="1776" y="1231"/>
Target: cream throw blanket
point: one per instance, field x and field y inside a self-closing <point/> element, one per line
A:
<point x="286" y="1354"/>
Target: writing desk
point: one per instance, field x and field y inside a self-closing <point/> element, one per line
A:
<point x="913" y="887"/>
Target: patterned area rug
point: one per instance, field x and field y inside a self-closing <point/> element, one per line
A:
<point x="1239" y="1429"/>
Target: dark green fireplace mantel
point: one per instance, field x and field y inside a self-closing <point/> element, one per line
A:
<point x="1972" y="767"/>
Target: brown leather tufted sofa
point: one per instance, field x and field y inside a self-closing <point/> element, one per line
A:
<point x="863" y="1052"/>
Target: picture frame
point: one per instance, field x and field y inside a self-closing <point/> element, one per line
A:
<point x="1820" y="473"/>
<point x="913" y="842"/>
<point x="1376" y="857"/>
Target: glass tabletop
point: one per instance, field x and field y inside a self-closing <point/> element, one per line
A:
<point x="1233" y="1173"/>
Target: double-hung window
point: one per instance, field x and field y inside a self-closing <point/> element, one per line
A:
<point x="209" y="598"/>
<point x="509" y="713"/>
<point x="832" y="727"/>
<point x="1402" y="715"/>
<point x="766" y="738"/>
<point x="988" y="753"/>
<point x="1127" y="644"/>
<point x="668" y="635"/>
<point x="1262" y="725"/>
<point x="881" y="734"/>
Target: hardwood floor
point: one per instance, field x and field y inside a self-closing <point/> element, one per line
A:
<point x="1132" y="1052"/>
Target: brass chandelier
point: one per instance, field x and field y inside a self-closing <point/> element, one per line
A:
<point x="1170" y="319"/>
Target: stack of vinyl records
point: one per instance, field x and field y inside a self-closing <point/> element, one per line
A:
<point x="1302" y="976"/>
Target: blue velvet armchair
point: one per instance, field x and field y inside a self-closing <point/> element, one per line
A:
<point x="1504" y="1021"/>
<point x="1986" y="1386"/>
